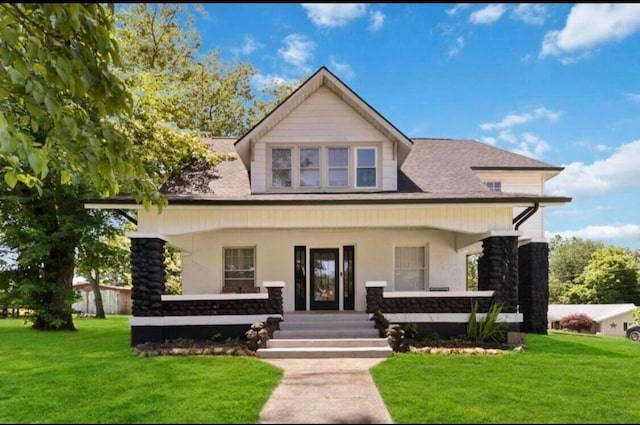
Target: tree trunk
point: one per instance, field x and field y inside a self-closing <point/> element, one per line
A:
<point x="97" y="295"/>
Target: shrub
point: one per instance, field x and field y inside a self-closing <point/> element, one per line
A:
<point x="488" y="329"/>
<point x="576" y="322"/>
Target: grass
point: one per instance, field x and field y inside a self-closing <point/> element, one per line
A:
<point x="560" y="378"/>
<point x="92" y="376"/>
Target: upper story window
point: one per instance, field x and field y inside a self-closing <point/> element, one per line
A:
<point x="322" y="167"/>
<point x="494" y="186"/>
<point x="281" y="168"/>
<point x="338" y="167"/>
<point x="310" y="167"/>
<point x="366" y="169"/>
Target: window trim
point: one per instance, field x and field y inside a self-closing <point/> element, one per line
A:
<point x="330" y="167"/>
<point x="425" y="259"/>
<point x="494" y="185"/>
<point x="224" y="263"/>
<point x="291" y="168"/>
<point x="356" y="167"/>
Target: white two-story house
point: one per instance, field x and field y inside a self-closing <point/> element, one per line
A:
<point x="329" y="206"/>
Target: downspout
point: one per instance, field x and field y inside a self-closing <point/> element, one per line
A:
<point x="525" y="215"/>
<point x="127" y="216"/>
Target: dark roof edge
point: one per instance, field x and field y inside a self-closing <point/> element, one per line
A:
<point x="200" y="201"/>
<point x="517" y="168"/>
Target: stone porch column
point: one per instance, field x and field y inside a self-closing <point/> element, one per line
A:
<point x="147" y="276"/>
<point x="533" y="292"/>
<point x="498" y="270"/>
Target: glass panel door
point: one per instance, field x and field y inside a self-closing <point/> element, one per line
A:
<point x="324" y="279"/>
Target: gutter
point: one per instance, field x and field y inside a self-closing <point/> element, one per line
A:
<point x="525" y="215"/>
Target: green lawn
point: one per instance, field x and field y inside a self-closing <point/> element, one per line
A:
<point x="92" y="376"/>
<point x="560" y="378"/>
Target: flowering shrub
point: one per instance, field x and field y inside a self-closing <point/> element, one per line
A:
<point x="576" y="322"/>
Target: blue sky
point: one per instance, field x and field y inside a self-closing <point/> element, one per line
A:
<point x="558" y="82"/>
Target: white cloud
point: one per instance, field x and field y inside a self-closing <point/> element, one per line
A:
<point x="530" y="13"/>
<point x="488" y="14"/>
<point x="343" y="70"/>
<point x="455" y="49"/>
<point x="590" y="24"/>
<point x="634" y="97"/>
<point x="250" y="45"/>
<point x="298" y="51"/>
<point x="513" y="120"/>
<point x="617" y="172"/>
<point x="261" y="81"/>
<point x="332" y="15"/>
<point x="489" y="141"/>
<point x="606" y="232"/>
<point x="457" y="8"/>
<point x="532" y="146"/>
<point x="603" y="148"/>
<point x="377" y="21"/>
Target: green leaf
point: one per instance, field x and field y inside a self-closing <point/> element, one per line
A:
<point x="17" y="77"/>
<point x="11" y="178"/>
<point x="35" y="162"/>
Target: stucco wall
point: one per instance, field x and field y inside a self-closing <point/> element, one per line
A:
<point x="374" y="251"/>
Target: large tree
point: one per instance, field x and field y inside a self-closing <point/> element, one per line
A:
<point x="77" y="123"/>
<point x="568" y="258"/>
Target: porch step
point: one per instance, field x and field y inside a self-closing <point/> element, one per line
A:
<point x="326" y="335"/>
<point x="318" y="333"/>
<point x="326" y="342"/>
<point x="324" y="352"/>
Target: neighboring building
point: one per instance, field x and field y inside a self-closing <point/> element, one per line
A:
<point x="115" y="299"/>
<point x="328" y="206"/>
<point x="609" y="319"/>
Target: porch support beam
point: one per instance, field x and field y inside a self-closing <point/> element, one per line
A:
<point x="533" y="291"/>
<point x="498" y="270"/>
<point x="147" y="276"/>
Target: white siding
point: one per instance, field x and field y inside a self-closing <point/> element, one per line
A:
<point x="323" y="118"/>
<point x="374" y="257"/>
<point x="465" y="219"/>
<point x="521" y="182"/>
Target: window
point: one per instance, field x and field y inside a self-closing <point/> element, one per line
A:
<point x="338" y="167"/>
<point x="494" y="186"/>
<point x="409" y="273"/>
<point x="310" y="167"/>
<point x="366" y="167"/>
<point x="281" y="167"/>
<point x="239" y="267"/>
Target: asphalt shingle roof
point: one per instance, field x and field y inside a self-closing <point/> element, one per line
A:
<point x="436" y="170"/>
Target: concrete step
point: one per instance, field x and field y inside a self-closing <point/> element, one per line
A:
<point x="330" y="324"/>
<point x="333" y="342"/>
<point x="324" y="352"/>
<point x="310" y="316"/>
<point x="325" y="333"/>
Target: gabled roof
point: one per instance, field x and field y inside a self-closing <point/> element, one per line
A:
<point x="322" y="77"/>
<point x="597" y="312"/>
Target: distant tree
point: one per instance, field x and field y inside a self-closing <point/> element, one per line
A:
<point x="611" y="277"/>
<point x="568" y="258"/>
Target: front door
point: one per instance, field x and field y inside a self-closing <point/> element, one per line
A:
<point x="324" y="278"/>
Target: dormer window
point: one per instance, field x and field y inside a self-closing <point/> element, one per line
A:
<point x="310" y="167"/>
<point x="322" y="168"/>
<point x="338" y="167"/>
<point x="366" y="173"/>
<point x="281" y="168"/>
<point x="494" y="186"/>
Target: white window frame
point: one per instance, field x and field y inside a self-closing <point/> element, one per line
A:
<point x="330" y="167"/>
<point x="298" y="175"/>
<point x="292" y="152"/>
<point x="224" y="265"/>
<point x="423" y="268"/>
<point x="357" y="167"/>
<point x="494" y="186"/>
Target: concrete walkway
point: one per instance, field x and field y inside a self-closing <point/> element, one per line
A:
<point x="325" y="391"/>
